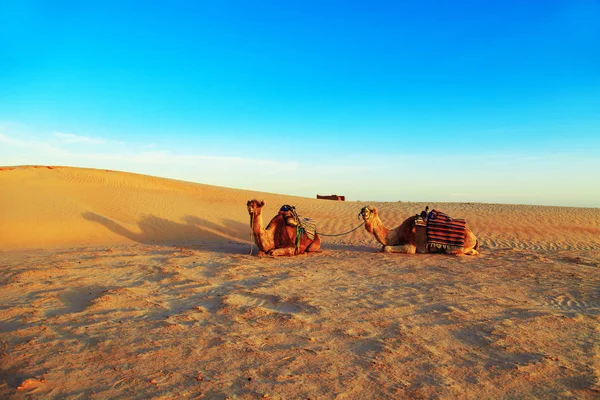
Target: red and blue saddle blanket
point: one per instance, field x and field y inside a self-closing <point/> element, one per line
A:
<point x="445" y="232"/>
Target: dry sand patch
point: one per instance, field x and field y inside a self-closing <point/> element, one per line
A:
<point x="164" y="322"/>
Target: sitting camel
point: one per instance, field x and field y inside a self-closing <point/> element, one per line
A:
<point x="280" y="237"/>
<point x="403" y="239"/>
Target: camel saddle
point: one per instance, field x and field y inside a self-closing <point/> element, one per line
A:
<point x="302" y="224"/>
<point x="436" y="230"/>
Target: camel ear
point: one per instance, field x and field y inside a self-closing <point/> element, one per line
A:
<point x="262" y="203"/>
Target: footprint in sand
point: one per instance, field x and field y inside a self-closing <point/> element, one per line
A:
<point x="72" y="301"/>
<point x="566" y="303"/>
<point x="291" y="305"/>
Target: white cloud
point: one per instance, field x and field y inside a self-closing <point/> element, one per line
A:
<point x="79" y="139"/>
<point x="70" y="138"/>
<point x="73" y="150"/>
<point x="31" y="145"/>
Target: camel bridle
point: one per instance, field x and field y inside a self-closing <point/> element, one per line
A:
<point x="366" y="213"/>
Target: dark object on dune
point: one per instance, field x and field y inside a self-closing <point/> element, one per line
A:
<point x="332" y="197"/>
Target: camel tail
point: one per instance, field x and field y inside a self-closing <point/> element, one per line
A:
<point x="477" y="245"/>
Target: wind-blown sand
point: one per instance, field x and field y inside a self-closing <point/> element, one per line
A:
<point x="117" y="285"/>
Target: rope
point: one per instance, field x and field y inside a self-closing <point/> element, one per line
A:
<point x="299" y="233"/>
<point x="339" y="234"/>
<point x="251" y="232"/>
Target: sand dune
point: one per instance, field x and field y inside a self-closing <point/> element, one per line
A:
<point x="122" y="285"/>
<point x="58" y="206"/>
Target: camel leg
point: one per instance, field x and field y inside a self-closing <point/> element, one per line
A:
<point x="471" y="252"/>
<point x="464" y="252"/>
<point x="403" y="248"/>
<point x="315" y="246"/>
<point x="456" y="252"/>
<point x="284" y="251"/>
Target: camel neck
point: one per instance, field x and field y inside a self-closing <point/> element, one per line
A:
<point x="256" y="223"/>
<point x="380" y="231"/>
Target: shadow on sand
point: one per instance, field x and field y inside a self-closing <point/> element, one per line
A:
<point x="348" y="247"/>
<point x="194" y="231"/>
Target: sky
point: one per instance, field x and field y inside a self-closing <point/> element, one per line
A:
<point x="432" y="101"/>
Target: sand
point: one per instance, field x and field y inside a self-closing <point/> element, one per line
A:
<point x="117" y="285"/>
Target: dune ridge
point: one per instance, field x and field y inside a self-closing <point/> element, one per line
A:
<point x="65" y="206"/>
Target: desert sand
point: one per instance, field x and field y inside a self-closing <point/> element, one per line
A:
<point x="117" y="285"/>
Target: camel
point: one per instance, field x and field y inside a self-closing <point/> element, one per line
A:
<point x="402" y="238"/>
<point x="279" y="237"/>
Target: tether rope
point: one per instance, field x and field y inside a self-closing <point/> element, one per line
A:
<point x="252" y="236"/>
<point x="340" y="234"/>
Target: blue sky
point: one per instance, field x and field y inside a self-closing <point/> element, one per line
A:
<point x="415" y="101"/>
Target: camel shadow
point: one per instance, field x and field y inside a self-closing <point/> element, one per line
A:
<point x="155" y="230"/>
<point x="347" y="247"/>
<point x="230" y="227"/>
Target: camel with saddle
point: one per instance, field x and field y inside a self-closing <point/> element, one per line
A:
<point x="428" y="232"/>
<point x="286" y="234"/>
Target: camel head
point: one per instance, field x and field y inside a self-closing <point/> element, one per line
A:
<point x="368" y="213"/>
<point x="255" y="207"/>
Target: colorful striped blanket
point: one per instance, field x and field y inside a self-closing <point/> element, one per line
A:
<point x="445" y="232"/>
